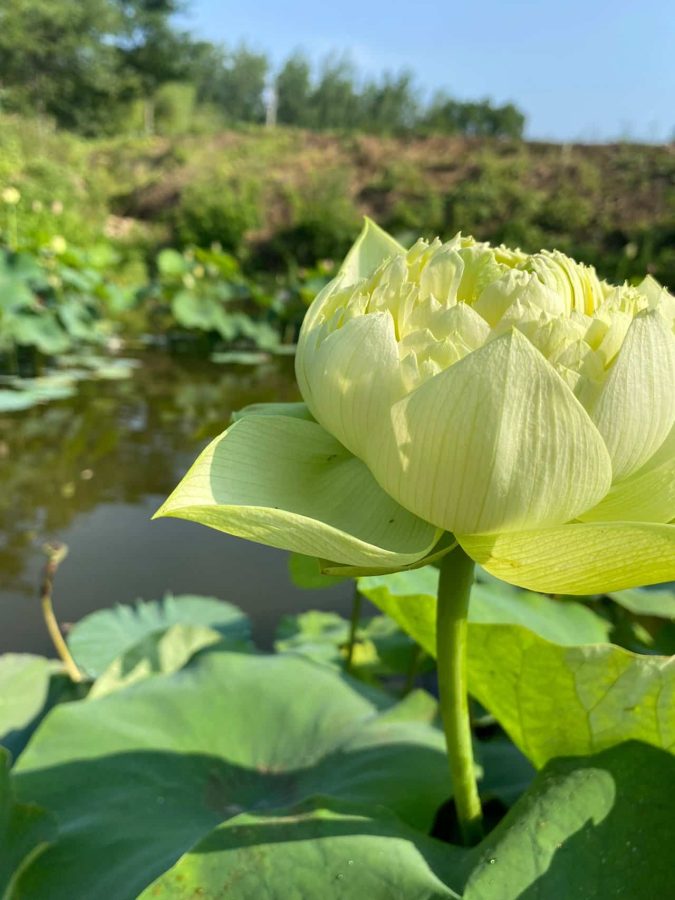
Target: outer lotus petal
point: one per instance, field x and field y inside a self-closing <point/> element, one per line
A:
<point x="293" y="410"/>
<point x="646" y="496"/>
<point x="496" y="442"/>
<point x="371" y="248"/>
<point x="285" y="482"/>
<point x="586" y="558"/>
<point x="351" y="378"/>
<point x="650" y="288"/>
<point x="636" y="407"/>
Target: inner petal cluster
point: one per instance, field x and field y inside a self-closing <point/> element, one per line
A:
<point x="448" y="299"/>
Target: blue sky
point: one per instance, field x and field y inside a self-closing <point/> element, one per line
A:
<point x="592" y="70"/>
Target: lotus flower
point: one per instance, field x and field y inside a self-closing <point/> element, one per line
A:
<point x="512" y="403"/>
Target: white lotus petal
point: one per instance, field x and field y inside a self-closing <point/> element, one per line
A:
<point x="351" y="378"/>
<point x="480" y="269"/>
<point x="285" y="482"/>
<point x="497" y="442"/>
<point x="371" y="248"/>
<point x="514" y="286"/>
<point x="636" y="407"/>
<point x="582" y="558"/>
<point x="647" y="495"/>
<point x="442" y="276"/>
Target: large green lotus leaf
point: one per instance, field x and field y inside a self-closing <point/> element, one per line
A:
<point x="171" y="262"/>
<point x="25" y="830"/>
<point x="15" y="294"/>
<point x="100" y="638"/>
<point x="285" y="482"/>
<point x="260" y="333"/>
<point x="318" y="635"/>
<point x="136" y="778"/>
<point x="316" y="853"/>
<point x="79" y="321"/>
<point x="24" y="691"/>
<point x="380" y="648"/>
<point x="158" y="653"/>
<point x="552" y="699"/>
<point x="492" y="603"/>
<point x="647" y="602"/>
<point x="593" y="828"/>
<point x="305" y="572"/>
<point x="193" y="311"/>
<point x="41" y="331"/>
<point x="556" y="701"/>
<point x="506" y="771"/>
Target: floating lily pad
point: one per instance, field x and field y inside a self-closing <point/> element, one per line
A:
<point x="15" y="401"/>
<point x="240" y="358"/>
<point x="138" y="777"/>
<point x="115" y="370"/>
<point x="285" y="350"/>
<point x="100" y="638"/>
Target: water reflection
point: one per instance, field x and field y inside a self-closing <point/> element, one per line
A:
<point x="91" y="470"/>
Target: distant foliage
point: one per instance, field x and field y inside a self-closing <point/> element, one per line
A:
<point x="109" y="66"/>
<point x="219" y="211"/>
<point x="448" y="116"/>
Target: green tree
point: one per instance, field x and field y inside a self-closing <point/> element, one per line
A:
<point x="57" y="58"/>
<point x="233" y="81"/>
<point x="151" y="52"/>
<point x="294" y="91"/>
<point x="335" y="102"/>
<point x="390" y="105"/>
<point x="474" y="119"/>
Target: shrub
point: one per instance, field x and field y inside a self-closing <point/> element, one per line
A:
<point x="324" y="220"/>
<point x="220" y="211"/>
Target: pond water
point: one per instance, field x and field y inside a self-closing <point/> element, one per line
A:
<point x="91" y="470"/>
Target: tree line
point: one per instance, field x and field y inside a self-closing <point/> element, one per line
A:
<point x="88" y="63"/>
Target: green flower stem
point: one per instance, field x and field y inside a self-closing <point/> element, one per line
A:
<point x="56" y="553"/>
<point x="454" y="591"/>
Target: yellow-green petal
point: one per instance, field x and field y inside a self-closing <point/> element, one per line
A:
<point x="579" y="558"/>
<point x="285" y="482"/>
<point x="292" y="410"/>
<point x="636" y="407"/>
<point x="497" y="442"/>
<point x="351" y="378"/>
<point x="371" y="248"/>
<point x="647" y="495"/>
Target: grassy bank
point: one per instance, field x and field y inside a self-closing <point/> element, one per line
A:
<point x="277" y="198"/>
